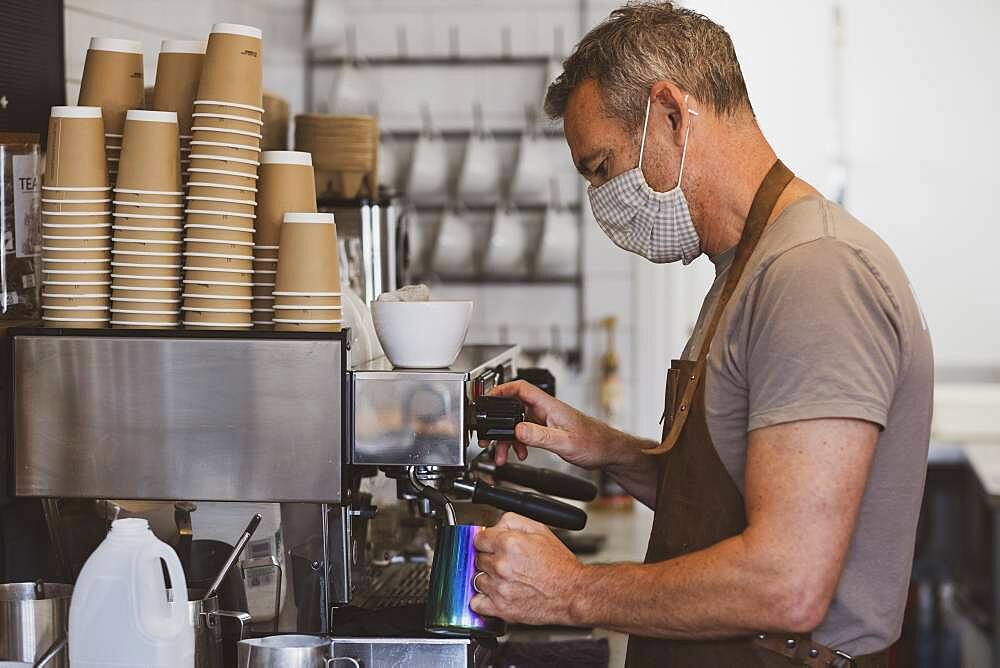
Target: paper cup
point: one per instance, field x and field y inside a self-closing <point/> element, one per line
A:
<point x="62" y="230"/>
<point x="229" y="107"/>
<point x="229" y="205"/>
<point x="213" y="289"/>
<point x="217" y="135"/>
<point x="172" y="248"/>
<point x="240" y="317"/>
<point x="56" y="241"/>
<point x="139" y="196"/>
<point x="306" y="301"/>
<point x="164" y="221"/>
<point x="178" y="70"/>
<point x="306" y="314"/>
<point x="283" y="187"/>
<point x="78" y="289"/>
<point x="122" y="281"/>
<point x="76" y="253"/>
<point x="121" y="324"/>
<point x="223" y="177"/>
<point x="218" y="233"/>
<point x="263" y="290"/>
<point x="238" y="263"/>
<point x="87" y="300"/>
<point x="308" y="257"/>
<point x="149" y="209"/>
<point x="212" y="246"/>
<point x="213" y="301"/>
<point x="74" y="265"/>
<point x="77" y="312"/>
<point x="220" y="219"/>
<point x="238" y="150"/>
<point x="232" y="70"/>
<point x="143" y="233"/>
<point x="234" y="276"/>
<point x="76" y="206"/>
<point x="235" y="166"/>
<point x="167" y="318"/>
<point x="150" y="157"/>
<point x="126" y="304"/>
<point x="82" y="193"/>
<point x="228" y="122"/>
<point x="112" y="79"/>
<point x="280" y="326"/>
<point x="75" y="155"/>
<point x="75" y="323"/>
<point x="142" y="294"/>
<point x="138" y="266"/>
<point x="78" y="219"/>
<point x="198" y="201"/>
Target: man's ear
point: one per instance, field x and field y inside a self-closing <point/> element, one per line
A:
<point x="668" y="101"/>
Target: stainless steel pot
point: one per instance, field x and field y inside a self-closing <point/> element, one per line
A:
<point x="289" y="651"/>
<point x="33" y="619"/>
<point x="205" y="617"/>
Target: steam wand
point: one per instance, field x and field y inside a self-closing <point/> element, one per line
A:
<point x="437" y="499"/>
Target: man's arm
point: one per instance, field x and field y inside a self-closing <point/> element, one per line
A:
<point x="805" y="481"/>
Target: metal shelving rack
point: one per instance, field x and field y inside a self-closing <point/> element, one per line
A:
<point x="371" y="212"/>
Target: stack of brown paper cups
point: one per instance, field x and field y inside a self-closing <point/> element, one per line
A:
<point x="226" y="125"/>
<point x="178" y="72"/>
<point x="286" y="184"/>
<point x="307" y="288"/>
<point x="112" y="80"/>
<point x="76" y="221"/>
<point x="344" y="150"/>
<point x="148" y="219"/>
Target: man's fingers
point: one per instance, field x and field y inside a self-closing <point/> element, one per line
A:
<point x="522" y="451"/>
<point x="482" y="605"/>
<point x="537" y="436"/>
<point x="488" y="540"/>
<point x="483" y="583"/>
<point x="500" y="454"/>
<point x="515" y="522"/>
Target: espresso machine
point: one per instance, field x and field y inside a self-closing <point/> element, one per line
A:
<point x="358" y="463"/>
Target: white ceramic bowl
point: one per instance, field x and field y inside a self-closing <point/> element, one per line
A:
<point x="422" y="335"/>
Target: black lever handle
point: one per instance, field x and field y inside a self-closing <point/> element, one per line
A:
<point x="537" y="507"/>
<point x="545" y="481"/>
<point x="496" y="417"/>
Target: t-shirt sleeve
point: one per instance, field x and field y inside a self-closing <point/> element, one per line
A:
<point x="822" y="338"/>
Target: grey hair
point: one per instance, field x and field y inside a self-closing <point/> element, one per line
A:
<point x="645" y="42"/>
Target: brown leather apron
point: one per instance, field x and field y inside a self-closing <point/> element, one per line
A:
<point x="699" y="505"/>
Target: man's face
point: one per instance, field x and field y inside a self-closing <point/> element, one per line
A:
<point x="602" y="147"/>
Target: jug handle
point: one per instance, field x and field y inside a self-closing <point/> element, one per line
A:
<point x="178" y="610"/>
<point x="242" y="617"/>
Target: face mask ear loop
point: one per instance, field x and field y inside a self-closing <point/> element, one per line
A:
<point x="645" y="124"/>
<point x="687" y="134"/>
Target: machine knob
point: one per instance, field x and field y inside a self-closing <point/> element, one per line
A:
<point x="496" y="418"/>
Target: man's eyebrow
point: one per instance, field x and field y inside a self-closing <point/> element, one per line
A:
<point x="585" y="164"/>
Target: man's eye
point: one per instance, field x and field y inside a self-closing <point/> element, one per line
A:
<point x="602" y="169"/>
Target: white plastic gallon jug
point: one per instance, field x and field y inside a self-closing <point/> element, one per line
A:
<point x="120" y="614"/>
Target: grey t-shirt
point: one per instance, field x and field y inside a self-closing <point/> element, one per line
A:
<point x="824" y="324"/>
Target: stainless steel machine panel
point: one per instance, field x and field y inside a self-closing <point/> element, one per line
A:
<point x="164" y="417"/>
<point x="409" y="652"/>
<point x="418" y="417"/>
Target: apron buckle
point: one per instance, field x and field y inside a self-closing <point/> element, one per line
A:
<point x="847" y="658"/>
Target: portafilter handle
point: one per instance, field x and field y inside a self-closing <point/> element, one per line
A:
<point x="534" y="506"/>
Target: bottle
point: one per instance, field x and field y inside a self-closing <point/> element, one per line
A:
<point x="122" y="613"/>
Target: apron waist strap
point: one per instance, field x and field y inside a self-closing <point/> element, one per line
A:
<point x="801" y="650"/>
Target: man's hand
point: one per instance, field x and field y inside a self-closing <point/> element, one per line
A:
<point x="528" y="577"/>
<point x="558" y="427"/>
<point x="579" y="439"/>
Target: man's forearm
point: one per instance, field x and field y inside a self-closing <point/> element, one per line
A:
<point x="722" y="591"/>
<point x="635" y="472"/>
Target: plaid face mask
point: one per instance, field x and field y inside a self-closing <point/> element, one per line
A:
<point x="638" y="219"/>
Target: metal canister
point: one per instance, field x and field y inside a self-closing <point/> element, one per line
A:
<point x="33" y="619"/>
<point x="448" y="611"/>
<point x="205" y="617"/>
<point x="287" y="651"/>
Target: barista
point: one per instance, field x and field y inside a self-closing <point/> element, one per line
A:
<point x="788" y="482"/>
